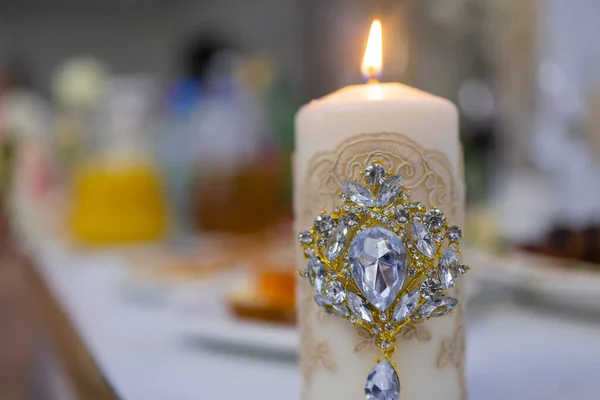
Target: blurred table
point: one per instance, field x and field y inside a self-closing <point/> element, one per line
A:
<point x="513" y="352"/>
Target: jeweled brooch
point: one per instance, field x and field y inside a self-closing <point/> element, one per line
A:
<point x="382" y="261"/>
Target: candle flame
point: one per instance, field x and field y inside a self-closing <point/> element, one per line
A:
<point x="372" y="61"/>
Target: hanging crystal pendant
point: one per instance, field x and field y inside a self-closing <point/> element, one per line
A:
<point x="382" y="383"/>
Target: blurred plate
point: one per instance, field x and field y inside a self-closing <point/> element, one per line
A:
<point x="235" y="334"/>
<point x="204" y="316"/>
<point x="558" y="282"/>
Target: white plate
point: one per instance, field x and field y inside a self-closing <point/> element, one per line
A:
<point x="203" y="315"/>
<point x="558" y="282"/>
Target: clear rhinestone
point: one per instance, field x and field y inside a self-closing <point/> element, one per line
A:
<point x="385" y="344"/>
<point x="346" y="208"/>
<point x="340" y="310"/>
<point x="375" y="174"/>
<point x="316" y="274"/>
<point x="448" y="268"/>
<point x="438" y="307"/>
<point x="376" y="329"/>
<point x="389" y="327"/>
<point x="438" y="237"/>
<point x="332" y="275"/>
<point x="350" y="220"/>
<point x="431" y="288"/>
<point x="358" y="193"/>
<point x="411" y="272"/>
<point x="406" y="306"/>
<point x="359" y="307"/>
<point x="372" y="214"/>
<point x="324" y="224"/>
<point x="335" y="292"/>
<point x="321" y="242"/>
<point x="337" y="242"/>
<point x="382" y="383"/>
<point x="423" y="239"/>
<point x="389" y="191"/>
<point x="404" y="196"/>
<point x="431" y="273"/>
<point x="417" y="318"/>
<point x="305" y="237"/>
<point x="378" y="263"/>
<point x="353" y="319"/>
<point x="343" y="197"/>
<point x="330" y="308"/>
<point x="304" y="273"/>
<point x="454" y="233"/>
<point x="462" y="269"/>
<point x="434" y="220"/>
<point x="419" y="264"/>
<point x="383" y="317"/>
<point x="309" y="252"/>
<point x="402" y="216"/>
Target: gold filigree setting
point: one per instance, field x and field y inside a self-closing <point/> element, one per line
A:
<point x="410" y="282"/>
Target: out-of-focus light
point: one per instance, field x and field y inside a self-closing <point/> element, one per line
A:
<point x="550" y="78"/>
<point x="476" y="100"/>
<point x="372" y="61"/>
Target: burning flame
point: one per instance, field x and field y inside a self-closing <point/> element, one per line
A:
<point x="372" y="61"/>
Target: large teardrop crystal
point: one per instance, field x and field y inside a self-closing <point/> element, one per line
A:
<point x="378" y="264"/>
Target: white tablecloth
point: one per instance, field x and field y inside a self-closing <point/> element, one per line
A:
<point x="513" y="352"/>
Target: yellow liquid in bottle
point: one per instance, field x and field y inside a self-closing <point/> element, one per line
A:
<point x="115" y="204"/>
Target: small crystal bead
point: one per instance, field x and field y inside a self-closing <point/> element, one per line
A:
<point x="350" y="220"/>
<point x="431" y="288"/>
<point x="376" y="330"/>
<point x="305" y="237"/>
<point x="402" y="216"/>
<point x="454" y="233"/>
<point x="321" y="242"/>
<point x="324" y="224"/>
<point x="383" y="317"/>
<point x="375" y="174"/>
<point x="335" y="292"/>
<point x="434" y="220"/>
<point x="389" y="327"/>
<point x="411" y="272"/>
<point x="385" y="344"/>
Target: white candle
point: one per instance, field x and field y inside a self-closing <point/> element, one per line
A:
<point x="414" y="133"/>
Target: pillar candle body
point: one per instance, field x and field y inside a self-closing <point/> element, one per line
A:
<point x="413" y="133"/>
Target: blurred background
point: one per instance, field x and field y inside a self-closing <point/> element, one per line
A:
<point x="141" y="140"/>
